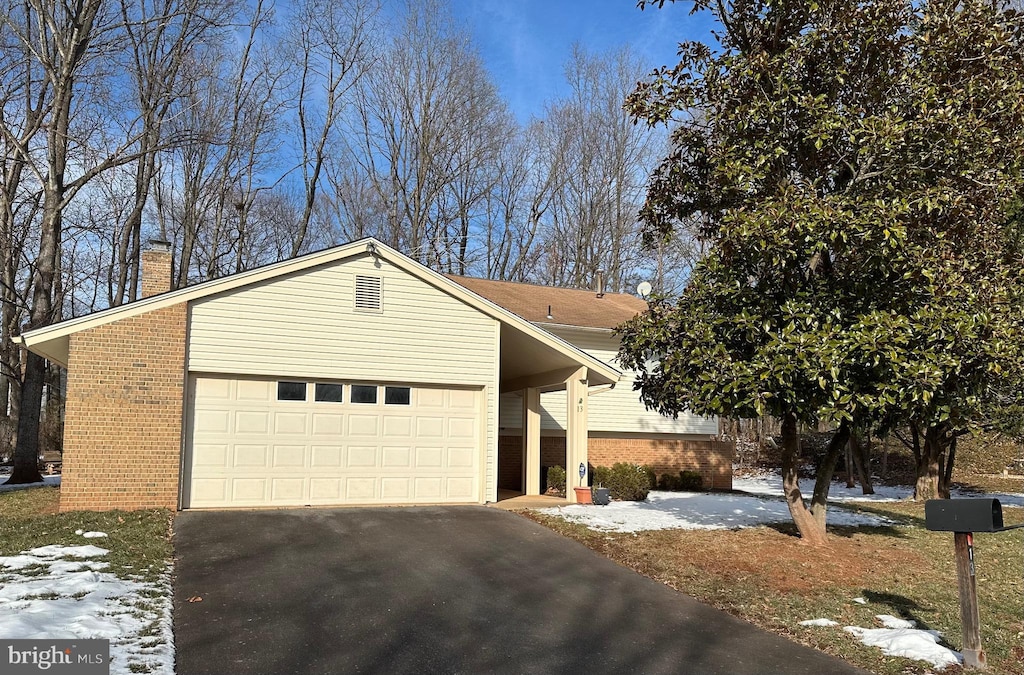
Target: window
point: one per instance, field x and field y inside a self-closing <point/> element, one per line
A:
<point x="328" y="393"/>
<point x="291" y="391"/>
<point x="368" y="294"/>
<point x="363" y="393"/>
<point x="397" y="395"/>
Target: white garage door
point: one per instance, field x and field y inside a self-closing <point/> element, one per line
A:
<point x="291" y="443"/>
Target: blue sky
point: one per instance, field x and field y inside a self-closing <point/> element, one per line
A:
<point x="525" y="43"/>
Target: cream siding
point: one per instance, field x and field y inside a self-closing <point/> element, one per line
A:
<point x="304" y="325"/>
<point x="618" y="410"/>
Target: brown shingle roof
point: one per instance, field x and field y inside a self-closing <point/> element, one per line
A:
<point x="569" y="306"/>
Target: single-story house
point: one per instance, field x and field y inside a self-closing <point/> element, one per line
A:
<point x="352" y="375"/>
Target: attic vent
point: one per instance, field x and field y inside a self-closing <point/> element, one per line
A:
<point x="368" y="294"/>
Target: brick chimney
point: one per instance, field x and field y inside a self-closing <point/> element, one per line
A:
<point x="156" y="268"/>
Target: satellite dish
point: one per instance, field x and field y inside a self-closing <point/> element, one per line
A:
<point x="644" y="289"/>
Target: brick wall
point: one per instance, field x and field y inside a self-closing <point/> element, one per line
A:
<point x="712" y="459"/>
<point x="123" y="419"/>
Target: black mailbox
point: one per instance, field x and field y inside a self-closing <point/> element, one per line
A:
<point x="963" y="515"/>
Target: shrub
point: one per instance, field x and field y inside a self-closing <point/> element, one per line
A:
<point x="625" y="482"/>
<point x="684" y="480"/>
<point x="690" y="480"/>
<point x="556" y="479"/>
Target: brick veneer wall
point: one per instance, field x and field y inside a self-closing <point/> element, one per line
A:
<point x="123" y="413"/>
<point x="712" y="459"/>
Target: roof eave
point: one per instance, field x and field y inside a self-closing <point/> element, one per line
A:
<point x="52" y="341"/>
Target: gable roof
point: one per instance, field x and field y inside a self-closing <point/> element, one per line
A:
<point x="569" y="306"/>
<point x="52" y="342"/>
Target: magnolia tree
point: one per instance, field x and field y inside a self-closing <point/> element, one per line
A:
<point x="851" y="168"/>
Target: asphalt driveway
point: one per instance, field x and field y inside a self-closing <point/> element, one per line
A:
<point x="438" y="590"/>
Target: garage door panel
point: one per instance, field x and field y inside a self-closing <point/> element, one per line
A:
<point x="361" y="456"/>
<point x="327" y="425"/>
<point x="249" y="490"/>
<point x="293" y="423"/>
<point x="250" y="456"/>
<point x="288" y="490"/>
<point x="460" y="458"/>
<point x="396" y="489"/>
<point x="427" y="488"/>
<point x="460" y="489"/>
<point x="430" y="427"/>
<point x="254" y="390"/>
<point x="429" y="398"/>
<point x="326" y="457"/>
<point x="461" y="427"/>
<point x="396" y="457"/>
<point x="214" y="389"/>
<point x="252" y="422"/>
<point x="289" y="456"/>
<point x="209" y="455"/>
<point x="427" y="457"/>
<point x="210" y="490"/>
<point x="360" y="489"/>
<point x="465" y="400"/>
<point x="363" y="425"/>
<point x="398" y="426"/>
<point x="325" y="490"/>
<point x="213" y="421"/>
<point x="249" y="449"/>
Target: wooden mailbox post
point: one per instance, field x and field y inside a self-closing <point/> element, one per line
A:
<point x="964" y="517"/>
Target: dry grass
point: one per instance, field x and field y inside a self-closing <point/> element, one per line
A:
<point x="769" y="577"/>
<point x="139" y="541"/>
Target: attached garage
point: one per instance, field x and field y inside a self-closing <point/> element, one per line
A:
<point x="263" y="442"/>
<point x="348" y="376"/>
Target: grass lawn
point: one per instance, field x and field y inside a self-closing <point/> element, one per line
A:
<point x="768" y="577"/>
<point x="139" y="541"/>
<point x="123" y="595"/>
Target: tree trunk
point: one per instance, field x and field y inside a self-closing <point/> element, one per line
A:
<point x="810" y="530"/>
<point x="823" y="477"/>
<point x="862" y="462"/>
<point x="848" y="461"/>
<point x="26" y="453"/>
<point x="931" y="482"/>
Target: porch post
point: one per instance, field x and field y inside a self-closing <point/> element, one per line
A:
<point x="575" y="431"/>
<point x="531" y="440"/>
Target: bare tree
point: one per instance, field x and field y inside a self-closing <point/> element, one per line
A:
<point x="423" y="126"/>
<point x="333" y="45"/>
<point x="160" y="35"/>
<point x="231" y="106"/>
<point x="60" y="44"/>
<point x="530" y="173"/>
<point x="607" y="161"/>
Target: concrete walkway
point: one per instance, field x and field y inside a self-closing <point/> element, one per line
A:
<point x="438" y="590"/>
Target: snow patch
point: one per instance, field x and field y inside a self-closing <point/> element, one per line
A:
<point x="92" y="535"/>
<point x="770" y="484"/>
<point x="911" y="643"/>
<point x="890" y="621"/>
<point x="695" y="511"/>
<point x="73" y="598"/>
<point x="860" y="601"/>
<point x="55" y="551"/>
<point x="819" y="622"/>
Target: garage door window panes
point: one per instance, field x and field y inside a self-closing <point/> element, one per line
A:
<point x="328" y="393"/>
<point x="291" y="391"/>
<point x="364" y="393"/>
<point x="397" y="396"/>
